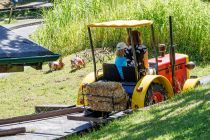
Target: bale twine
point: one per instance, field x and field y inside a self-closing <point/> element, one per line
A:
<point x="106" y="96"/>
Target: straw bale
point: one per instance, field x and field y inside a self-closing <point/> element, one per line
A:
<point x="108" y="89"/>
<point x="107" y="107"/>
<point x="102" y="95"/>
<point x="107" y="99"/>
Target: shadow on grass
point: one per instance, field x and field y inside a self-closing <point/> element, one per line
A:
<point x="186" y="116"/>
<point x="49" y="71"/>
<point x="73" y="70"/>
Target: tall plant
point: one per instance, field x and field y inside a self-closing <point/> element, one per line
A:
<point x="65" y="29"/>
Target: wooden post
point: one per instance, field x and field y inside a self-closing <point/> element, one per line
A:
<point x="13" y="3"/>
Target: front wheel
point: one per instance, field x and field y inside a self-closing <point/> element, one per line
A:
<point x="156" y="93"/>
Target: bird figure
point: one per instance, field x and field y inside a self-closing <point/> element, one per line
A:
<point x="56" y="65"/>
<point x="77" y="62"/>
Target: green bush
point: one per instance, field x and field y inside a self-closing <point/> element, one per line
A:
<point x="65" y="29"/>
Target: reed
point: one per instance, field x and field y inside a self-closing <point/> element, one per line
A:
<point x="65" y="29"/>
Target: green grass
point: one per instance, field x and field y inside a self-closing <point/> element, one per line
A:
<point x="186" y="116"/>
<point x="20" y="92"/>
<point x="201" y="70"/>
<point x="65" y="29"/>
<point x="27" y="13"/>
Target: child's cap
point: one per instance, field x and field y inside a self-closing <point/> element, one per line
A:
<point x="121" y="46"/>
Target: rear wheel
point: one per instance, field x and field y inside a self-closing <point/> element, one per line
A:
<point x="156" y="93"/>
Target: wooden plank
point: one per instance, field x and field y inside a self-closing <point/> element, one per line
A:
<point x="89" y="119"/>
<point x="46" y="108"/>
<point x="12" y="131"/>
<point x="41" y="115"/>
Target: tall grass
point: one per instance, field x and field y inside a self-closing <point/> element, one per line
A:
<point x="65" y="29"/>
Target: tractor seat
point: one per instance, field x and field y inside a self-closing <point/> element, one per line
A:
<point x="129" y="74"/>
<point x="110" y="72"/>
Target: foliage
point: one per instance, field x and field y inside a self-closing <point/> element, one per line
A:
<point x="65" y="29"/>
<point x="21" y="14"/>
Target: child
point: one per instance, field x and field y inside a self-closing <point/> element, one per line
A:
<point x="120" y="59"/>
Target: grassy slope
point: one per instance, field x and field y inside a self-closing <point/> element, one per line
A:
<point x="20" y="92"/>
<point x="186" y="116"/>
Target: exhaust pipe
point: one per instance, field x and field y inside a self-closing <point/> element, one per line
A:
<point x="172" y="53"/>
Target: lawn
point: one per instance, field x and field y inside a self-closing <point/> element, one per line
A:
<point x="186" y="116"/>
<point x="20" y="92"/>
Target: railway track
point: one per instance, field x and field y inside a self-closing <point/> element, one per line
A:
<point x="54" y="124"/>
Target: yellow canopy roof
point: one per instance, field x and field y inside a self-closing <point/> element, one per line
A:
<point x="122" y="23"/>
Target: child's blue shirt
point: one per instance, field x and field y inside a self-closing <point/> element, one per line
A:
<point x="120" y="62"/>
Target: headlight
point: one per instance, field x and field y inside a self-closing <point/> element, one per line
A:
<point x="190" y="65"/>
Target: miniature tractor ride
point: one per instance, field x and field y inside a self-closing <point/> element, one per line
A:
<point x="172" y="70"/>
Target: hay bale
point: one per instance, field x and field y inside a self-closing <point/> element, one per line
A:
<point x="107" y="107"/>
<point x="106" y="96"/>
<point x="105" y="89"/>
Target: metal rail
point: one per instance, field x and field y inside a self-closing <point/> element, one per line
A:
<point x="41" y="115"/>
<point x="47" y="108"/>
<point x="13" y="131"/>
<point x="89" y="119"/>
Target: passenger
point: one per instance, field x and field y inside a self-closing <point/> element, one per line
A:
<point x="120" y="60"/>
<point x="141" y="51"/>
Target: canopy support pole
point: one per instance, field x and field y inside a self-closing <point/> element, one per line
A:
<point x="92" y="50"/>
<point x="129" y="30"/>
<point x="154" y="47"/>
